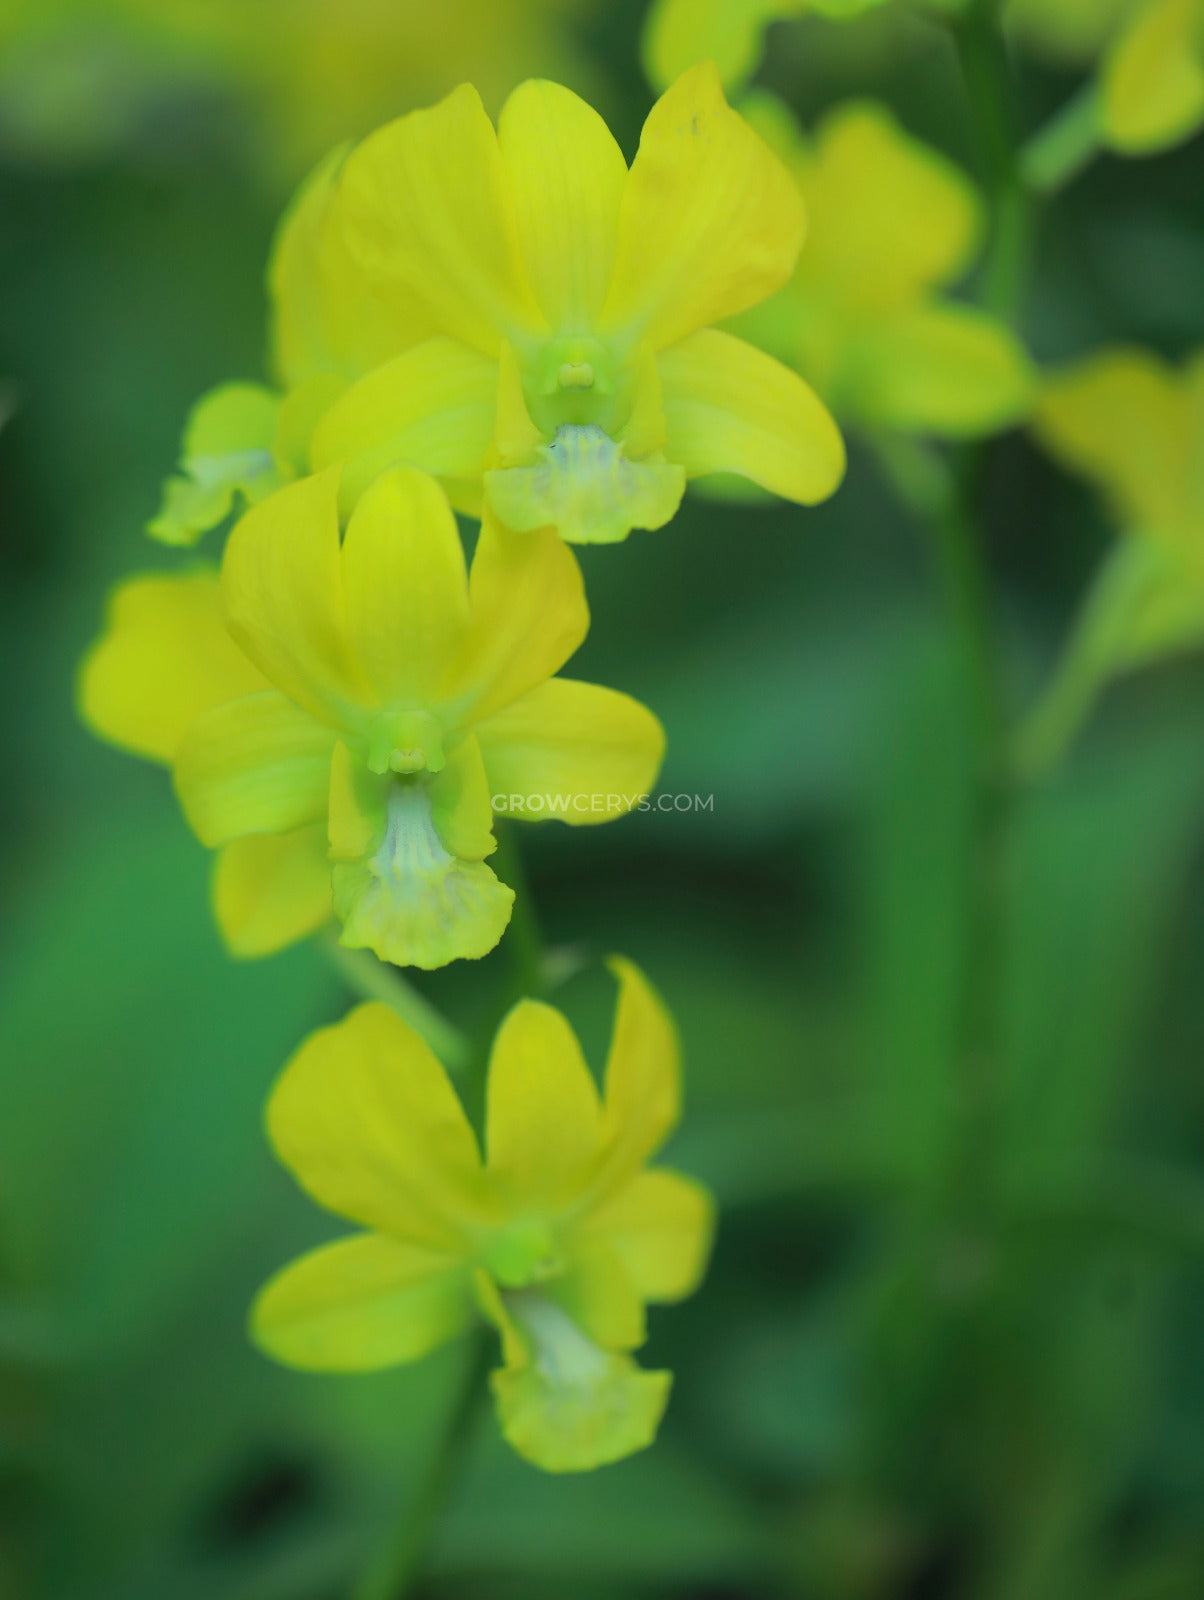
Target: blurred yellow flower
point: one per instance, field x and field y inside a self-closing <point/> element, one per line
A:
<point x="1153" y="77"/>
<point x="559" y="1236"/>
<point x="865" y="318"/>
<point x="1133" y="426"/>
<point x="82" y="75"/>
<point x="678" y="33"/>
<point x="520" y="315"/>
<point x="372" y="700"/>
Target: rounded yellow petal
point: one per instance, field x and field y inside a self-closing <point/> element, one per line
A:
<point x="282" y="588"/>
<point x="432" y="407"/>
<point x="361" y="1304"/>
<point x="254" y="765"/>
<point x="642" y="1093"/>
<point x="947" y="369"/>
<point x="572" y="751"/>
<point x="731" y="408"/>
<point x="165" y="655"/>
<point x="405" y="587"/>
<point x="367" y="1121"/>
<point x="567" y="176"/>
<point x="429" y="215"/>
<point x="1122" y="419"/>
<point x="727" y="32"/>
<point x="543" y="1121"/>
<point x="889" y="215"/>
<point x="527" y="613"/>
<point x="1154" y="78"/>
<point x="269" y="890"/>
<point x="711" y="221"/>
<point x="660" y="1226"/>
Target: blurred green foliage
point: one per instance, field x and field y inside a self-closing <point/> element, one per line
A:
<point x="950" y="1344"/>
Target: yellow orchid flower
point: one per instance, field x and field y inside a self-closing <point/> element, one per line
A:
<point x="864" y="318"/>
<point x="558" y="1236"/>
<point x="373" y="698"/>
<point x="1133" y="426"/>
<point x="520" y="315"/>
<point x="1153" y="78"/>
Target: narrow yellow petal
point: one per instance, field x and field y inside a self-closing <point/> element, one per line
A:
<point x="367" y="1121"/>
<point x="731" y="408"/>
<point x="527" y="615"/>
<point x="269" y="890"/>
<point x="711" y="221"/>
<point x="432" y="407"/>
<point x="164" y="656"/>
<point x="429" y="213"/>
<point x="660" y="1226"/>
<point x="282" y="588"/>
<point x="254" y="765"/>
<point x="642" y="1092"/>
<point x="574" y="751"/>
<point x="567" y="176"/>
<point x="361" y="1304"/>
<point x="406" y="587"/>
<point x="543" y="1119"/>
<point x="1154" y="78"/>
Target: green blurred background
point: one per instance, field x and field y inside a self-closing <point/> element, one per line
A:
<point x="951" y="1342"/>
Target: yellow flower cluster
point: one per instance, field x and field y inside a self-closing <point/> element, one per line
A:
<point x="514" y="325"/>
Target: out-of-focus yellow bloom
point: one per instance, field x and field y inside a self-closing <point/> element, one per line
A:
<point x="678" y="33"/>
<point x="78" y="75"/>
<point x="372" y="700"/>
<point x="1153" y="77"/>
<point x="1068" y="30"/>
<point x="520" y="315"/>
<point x="864" y="318"/>
<point x="559" y="1236"/>
<point x="1134" y="427"/>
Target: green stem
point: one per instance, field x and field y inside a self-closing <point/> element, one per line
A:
<point x="982" y="53"/>
<point x="1065" y="146"/>
<point x="401" y="1563"/>
<point x="371" y="979"/>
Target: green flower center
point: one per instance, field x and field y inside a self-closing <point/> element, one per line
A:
<point x="522" y="1253"/>
<point x="406" y="742"/>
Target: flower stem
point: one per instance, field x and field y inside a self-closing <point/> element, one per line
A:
<point x="982" y="53"/>
<point x="401" y="1563"/>
<point x="1065" y="146"/>
<point x="371" y="979"/>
